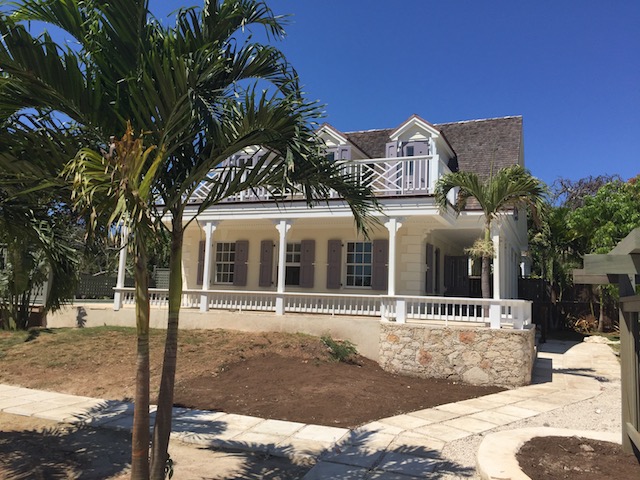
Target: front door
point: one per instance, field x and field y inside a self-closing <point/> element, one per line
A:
<point x="456" y="276"/>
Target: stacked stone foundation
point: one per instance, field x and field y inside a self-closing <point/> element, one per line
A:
<point x="474" y="355"/>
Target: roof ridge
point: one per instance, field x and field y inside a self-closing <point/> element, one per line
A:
<point x="367" y="131"/>
<point x="480" y="120"/>
<point x="443" y="123"/>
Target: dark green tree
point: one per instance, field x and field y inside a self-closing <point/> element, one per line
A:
<point x="602" y="221"/>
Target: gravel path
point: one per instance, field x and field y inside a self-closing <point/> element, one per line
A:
<point x="601" y="413"/>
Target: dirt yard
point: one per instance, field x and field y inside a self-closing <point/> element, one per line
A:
<point x="273" y="375"/>
<point x="575" y="458"/>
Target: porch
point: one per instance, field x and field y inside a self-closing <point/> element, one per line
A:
<point x="493" y="313"/>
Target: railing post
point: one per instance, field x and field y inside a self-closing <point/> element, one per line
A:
<point x="518" y="311"/>
<point x="495" y="315"/>
<point x="401" y="310"/>
<point x="434" y="172"/>
<point x="279" y="304"/>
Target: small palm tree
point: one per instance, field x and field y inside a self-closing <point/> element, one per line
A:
<point x="511" y="186"/>
<point x="115" y="189"/>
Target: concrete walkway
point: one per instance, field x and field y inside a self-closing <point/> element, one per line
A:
<point x="399" y="447"/>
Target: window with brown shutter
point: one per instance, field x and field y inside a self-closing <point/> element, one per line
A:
<point x="334" y="264"/>
<point x="200" y="271"/>
<point x="240" y="264"/>
<point x="380" y="276"/>
<point x="266" y="263"/>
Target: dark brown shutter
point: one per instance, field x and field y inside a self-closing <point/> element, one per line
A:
<point x="307" y="268"/>
<point x="430" y="270"/>
<point x="334" y="264"/>
<point x="266" y="263"/>
<point x="380" y="271"/>
<point x="200" y="274"/>
<point x="240" y="264"/>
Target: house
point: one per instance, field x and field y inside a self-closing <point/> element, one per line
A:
<point x="251" y="254"/>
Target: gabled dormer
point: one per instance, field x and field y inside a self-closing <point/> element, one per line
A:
<point x="417" y="137"/>
<point x="338" y="146"/>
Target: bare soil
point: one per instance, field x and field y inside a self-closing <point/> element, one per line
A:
<point x="576" y="458"/>
<point x="273" y="375"/>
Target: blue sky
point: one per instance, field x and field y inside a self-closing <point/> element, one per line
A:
<point x="571" y="68"/>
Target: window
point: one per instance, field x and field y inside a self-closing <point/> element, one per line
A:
<point x="331" y="156"/>
<point x="409" y="151"/>
<point x="292" y="267"/>
<point x="225" y="259"/>
<point x="359" y="264"/>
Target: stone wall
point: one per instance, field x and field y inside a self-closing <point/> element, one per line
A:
<point x="475" y="355"/>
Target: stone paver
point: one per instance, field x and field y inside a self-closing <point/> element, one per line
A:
<point x="470" y="424"/>
<point x="406" y="464"/>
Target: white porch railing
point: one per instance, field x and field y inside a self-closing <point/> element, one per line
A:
<point x="386" y="176"/>
<point x="495" y="313"/>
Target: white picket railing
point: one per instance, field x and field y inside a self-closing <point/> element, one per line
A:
<point x="386" y="176"/>
<point x="495" y="313"/>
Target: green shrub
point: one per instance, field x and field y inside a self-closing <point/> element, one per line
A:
<point x="341" y="351"/>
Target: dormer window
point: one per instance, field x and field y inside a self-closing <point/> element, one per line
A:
<point x="343" y="152"/>
<point x="409" y="151"/>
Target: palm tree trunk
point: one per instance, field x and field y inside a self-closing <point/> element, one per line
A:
<point x="486" y="266"/>
<point x="140" y="434"/>
<point x="162" y="429"/>
<point x="603" y="293"/>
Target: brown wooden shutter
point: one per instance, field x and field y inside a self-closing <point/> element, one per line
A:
<point x="307" y="268"/>
<point x="430" y="270"/>
<point x="266" y="263"/>
<point x="380" y="271"/>
<point x="200" y="272"/>
<point x="334" y="264"/>
<point x="240" y="263"/>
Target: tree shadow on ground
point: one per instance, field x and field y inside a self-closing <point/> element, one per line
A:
<point x="359" y="455"/>
<point x="79" y="452"/>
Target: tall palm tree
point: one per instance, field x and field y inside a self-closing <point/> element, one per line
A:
<point x="191" y="88"/>
<point x="511" y="186"/>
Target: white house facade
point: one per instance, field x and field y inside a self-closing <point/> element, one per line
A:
<point x="251" y="253"/>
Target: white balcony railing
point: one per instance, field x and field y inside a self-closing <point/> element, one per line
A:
<point x="495" y="313"/>
<point x="386" y="177"/>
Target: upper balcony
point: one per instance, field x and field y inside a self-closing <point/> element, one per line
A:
<point x="387" y="177"/>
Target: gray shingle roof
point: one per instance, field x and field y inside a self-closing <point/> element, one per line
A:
<point x="478" y="143"/>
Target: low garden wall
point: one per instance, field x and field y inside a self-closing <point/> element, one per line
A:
<point x="475" y="355"/>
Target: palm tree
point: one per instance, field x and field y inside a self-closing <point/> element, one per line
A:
<point x="511" y="186"/>
<point x="36" y="226"/>
<point x="191" y="89"/>
<point x="115" y="189"/>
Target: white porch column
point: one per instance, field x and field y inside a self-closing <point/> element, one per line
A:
<point x="498" y="260"/>
<point x="434" y="166"/>
<point x="209" y="228"/>
<point x="122" y="267"/>
<point x="283" y="227"/>
<point x="393" y="225"/>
